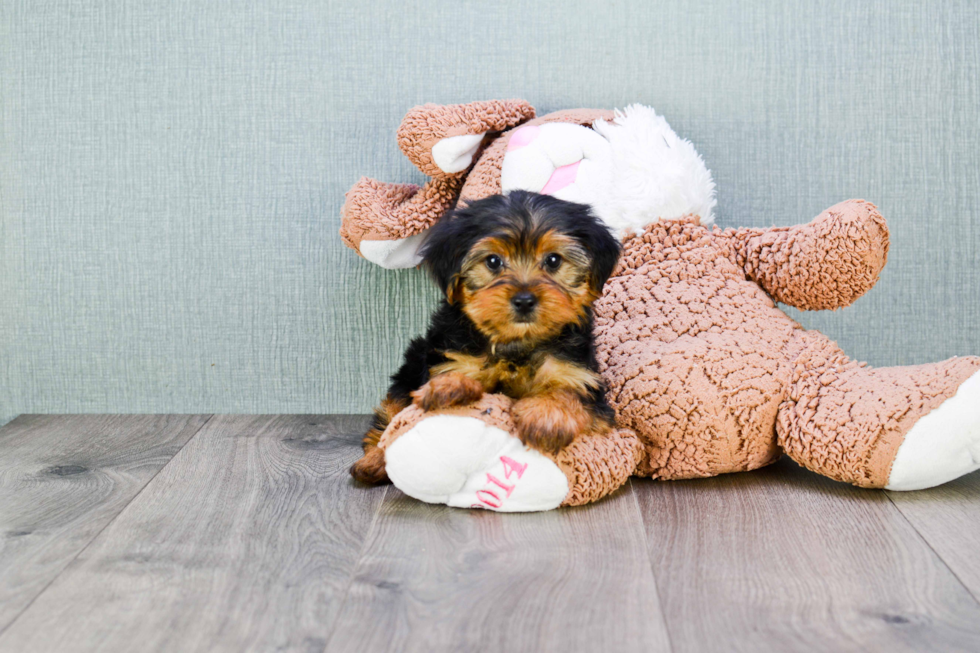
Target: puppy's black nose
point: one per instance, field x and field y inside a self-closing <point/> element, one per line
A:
<point x="523" y="302"/>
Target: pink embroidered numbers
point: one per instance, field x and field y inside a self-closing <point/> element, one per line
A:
<point x="511" y="466"/>
<point x="488" y="496"/>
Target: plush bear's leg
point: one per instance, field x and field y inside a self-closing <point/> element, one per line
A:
<point x="702" y="406"/>
<point x="466" y="457"/>
<point x="943" y="445"/>
<point x="903" y="428"/>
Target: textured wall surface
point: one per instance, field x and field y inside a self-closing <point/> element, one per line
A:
<point x="171" y="172"/>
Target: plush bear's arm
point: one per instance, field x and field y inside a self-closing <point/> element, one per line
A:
<point x="381" y="221"/>
<point x="442" y="139"/>
<point x="825" y="264"/>
<point x="384" y="222"/>
<point x="467" y="457"/>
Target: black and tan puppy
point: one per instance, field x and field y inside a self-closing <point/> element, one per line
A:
<point x="519" y="275"/>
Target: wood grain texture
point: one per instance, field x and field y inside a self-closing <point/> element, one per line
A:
<point x="62" y="480"/>
<point x="784" y="560"/>
<point x="245" y="541"/>
<point x="948" y="518"/>
<point x="253" y="537"/>
<point x="442" y="579"/>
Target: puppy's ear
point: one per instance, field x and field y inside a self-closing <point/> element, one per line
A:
<point x="578" y="221"/>
<point x="592" y="234"/>
<point x="604" y="249"/>
<point x="442" y="255"/>
<point x="451" y="239"/>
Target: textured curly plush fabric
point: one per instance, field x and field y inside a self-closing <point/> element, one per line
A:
<point x="594" y="466"/>
<point x="825" y="264"/>
<point x="691" y="351"/>
<point x="598" y="465"/>
<point x="426" y="125"/>
<point x="846" y="420"/>
<point x="375" y="210"/>
<point x="714" y="378"/>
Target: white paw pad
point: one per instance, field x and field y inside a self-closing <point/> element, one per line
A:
<point x="455" y="154"/>
<point x="463" y="462"/>
<point x="394" y="254"/>
<point x="943" y="445"/>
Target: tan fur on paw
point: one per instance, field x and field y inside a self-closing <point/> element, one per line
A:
<point x="371" y="467"/>
<point x="550" y="422"/>
<point x="446" y="390"/>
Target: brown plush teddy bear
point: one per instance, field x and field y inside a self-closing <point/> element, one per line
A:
<point x="706" y="374"/>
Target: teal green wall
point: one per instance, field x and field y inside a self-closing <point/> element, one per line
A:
<point x="171" y="172"/>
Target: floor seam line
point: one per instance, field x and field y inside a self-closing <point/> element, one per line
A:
<point x="922" y="537"/>
<point x="653" y="573"/>
<point x="357" y="564"/>
<point x="75" y="557"/>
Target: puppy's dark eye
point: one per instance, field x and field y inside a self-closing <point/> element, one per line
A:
<point x="552" y="261"/>
<point x="494" y="262"/>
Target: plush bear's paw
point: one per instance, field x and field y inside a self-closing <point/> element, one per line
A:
<point x="549" y="423"/>
<point x="393" y="254"/>
<point x="463" y="462"/>
<point x="943" y="445"/>
<point x="447" y="390"/>
<point x="386" y="223"/>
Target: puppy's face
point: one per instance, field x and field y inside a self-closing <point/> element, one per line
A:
<point x="517" y="286"/>
<point x="524" y="266"/>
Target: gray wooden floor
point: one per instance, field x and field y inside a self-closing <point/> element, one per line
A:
<point x="215" y="533"/>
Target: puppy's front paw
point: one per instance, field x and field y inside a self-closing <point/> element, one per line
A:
<point x="549" y="423"/>
<point x="445" y="390"/>
<point x="371" y="467"/>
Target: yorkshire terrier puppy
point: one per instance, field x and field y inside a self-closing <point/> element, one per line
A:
<point x="519" y="274"/>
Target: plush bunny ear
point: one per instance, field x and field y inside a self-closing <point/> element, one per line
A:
<point x="385" y="223"/>
<point x="441" y="140"/>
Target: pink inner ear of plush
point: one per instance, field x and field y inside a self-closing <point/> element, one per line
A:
<point x="560" y="178"/>
<point x="522" y="137"/>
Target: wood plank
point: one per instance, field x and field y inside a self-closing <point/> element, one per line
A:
<point x="948" y="518"/>
<point x="437" y="579"/>
<point x="62" y="480"/>
<point x="782" y="559"/>
<point x="245" y="541"/>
